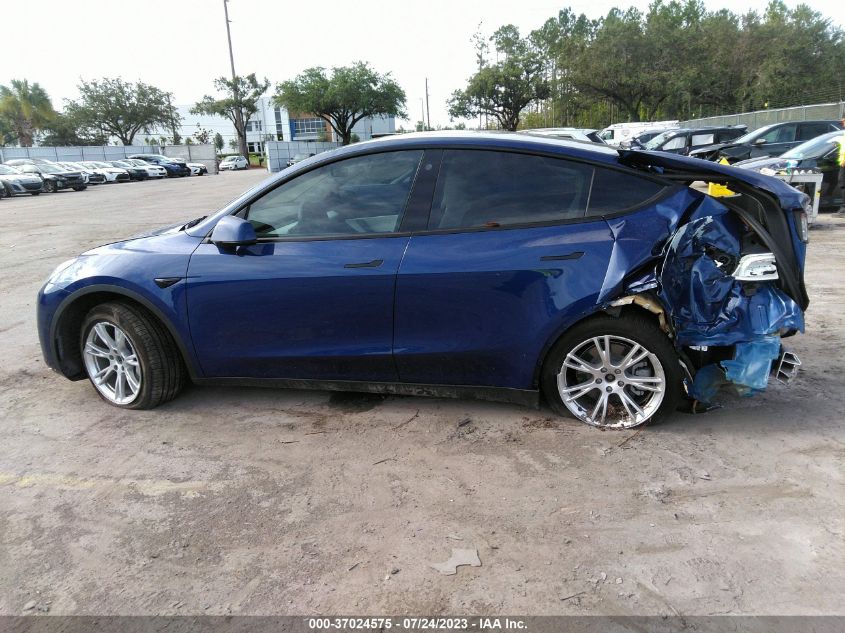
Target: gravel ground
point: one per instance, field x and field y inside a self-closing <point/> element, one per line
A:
<point x="290" y="502"/>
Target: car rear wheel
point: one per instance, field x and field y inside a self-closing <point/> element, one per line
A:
<point x="614" y="373"/>
<point x="82" y="188"/>
<point x="130" y="357"/>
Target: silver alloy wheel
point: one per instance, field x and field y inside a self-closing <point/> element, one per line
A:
<point x="611" y="382"/>
<point x="112" y="363"/>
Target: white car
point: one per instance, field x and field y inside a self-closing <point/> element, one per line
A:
<point x="153" y="171"/>
<point x="112" y="173"/>
<point x="234" y="162"/>
<point x="197" y="169"/>
<point x="94" y="177"/>
<point x="587" y="135"/>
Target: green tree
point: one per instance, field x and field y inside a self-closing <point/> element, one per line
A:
<point x="122" y="109"/>
<point x="345" y="96"/>
<point x="239" y="103"/>
<point x="24" y="110"/>
<point x="505" y="88"/>
<point x="65" y="130"/>
<point x="218" y="141"/>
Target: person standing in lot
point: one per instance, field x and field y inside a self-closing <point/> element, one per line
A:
<point x="841" y="211"/>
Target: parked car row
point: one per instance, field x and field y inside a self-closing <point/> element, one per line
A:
<point x="38" y="175"/>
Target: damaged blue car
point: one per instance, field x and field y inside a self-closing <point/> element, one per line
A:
<point x="493" y="266"/>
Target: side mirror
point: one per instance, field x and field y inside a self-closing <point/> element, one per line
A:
<point x="233" y="231"/>
<point x="760" y="141"/>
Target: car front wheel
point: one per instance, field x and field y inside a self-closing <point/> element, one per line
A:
<point x="130" y="357"/>
<point x="614" y="373"/>
<point x="50" y="187"/>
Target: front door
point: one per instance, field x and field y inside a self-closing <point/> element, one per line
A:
<point x="313" y="299"/>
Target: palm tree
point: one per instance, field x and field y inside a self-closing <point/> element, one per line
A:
<point x="25" y="109"/>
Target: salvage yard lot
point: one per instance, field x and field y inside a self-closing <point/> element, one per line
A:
<point x="271" y="502"/>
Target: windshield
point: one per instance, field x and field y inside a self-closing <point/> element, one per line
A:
<point x="5" y="170"/>
<point x="814" y="148"/>
<point x="120" y="163"/>
<point x="658" y="140"/>
<point x="50" y="169"/>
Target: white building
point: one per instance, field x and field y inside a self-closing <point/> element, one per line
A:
<point x="270" y="122"/>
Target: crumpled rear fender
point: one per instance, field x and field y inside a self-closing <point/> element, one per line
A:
<point x="692" y="278"/>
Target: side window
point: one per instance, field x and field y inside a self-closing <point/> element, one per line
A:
<point x="783" y="134"/>
<point x="614" y="191"/>
<point x="676" y="142"/>
<point x="477" y="188"/>
<point x="360" y="195"/>
<point x="809" y="131"/>
<point x="702" y="139"/>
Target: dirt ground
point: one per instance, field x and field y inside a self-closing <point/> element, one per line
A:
<point x="288" y="502"/>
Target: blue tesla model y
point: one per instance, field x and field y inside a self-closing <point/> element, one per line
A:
<point x="486" y="265"/>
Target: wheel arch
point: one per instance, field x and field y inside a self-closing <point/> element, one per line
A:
<point x="67" y="321"/>
<point x="644" y="304"/>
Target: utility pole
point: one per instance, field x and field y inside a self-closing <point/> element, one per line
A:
<point x="427" y="111"/>
<point x="422" y="114"/>
<point x="239" y="115"/>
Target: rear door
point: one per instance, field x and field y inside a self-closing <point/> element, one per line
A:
<point x="809" y="131"/>
<point x="509" y="257"/>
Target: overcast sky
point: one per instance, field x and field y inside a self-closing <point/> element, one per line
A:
<point x="180" y="45"/>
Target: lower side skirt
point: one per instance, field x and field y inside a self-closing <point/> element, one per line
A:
<point x="525" y="397"/>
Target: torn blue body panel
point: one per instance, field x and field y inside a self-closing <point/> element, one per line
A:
<point x="705" y="304"/>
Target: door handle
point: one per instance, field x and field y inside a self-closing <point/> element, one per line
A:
<point x="554" y="258"/>
<point x="373" y="264"/>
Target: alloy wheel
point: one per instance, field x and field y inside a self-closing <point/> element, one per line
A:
<point x="612" y="382"/>
<point x="112" y="363"/>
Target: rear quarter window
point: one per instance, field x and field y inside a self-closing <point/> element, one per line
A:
<point x="617" y="191"/>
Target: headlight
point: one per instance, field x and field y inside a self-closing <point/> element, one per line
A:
<point x="55" y="277"/>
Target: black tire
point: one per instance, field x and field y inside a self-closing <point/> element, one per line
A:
<point x="82" y="188"/>
<point x="50" y="187"/>
<point x="35" y="193"/>
<point x="162" y="370"/>
<point x="636" y="327"/>
<point x="3" y="192"/>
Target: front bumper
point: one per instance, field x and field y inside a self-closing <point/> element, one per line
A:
<point x="21" y="188"/>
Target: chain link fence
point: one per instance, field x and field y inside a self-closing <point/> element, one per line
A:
<point x="821" y="111"/>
